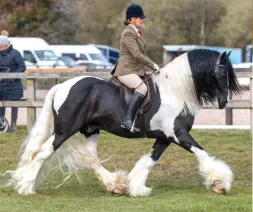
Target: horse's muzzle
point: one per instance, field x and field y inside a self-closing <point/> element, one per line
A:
<point x="223" y="105"/>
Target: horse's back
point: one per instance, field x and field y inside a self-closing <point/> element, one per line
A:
<point x="81" y="82"/>
<point x="73" y="91"/>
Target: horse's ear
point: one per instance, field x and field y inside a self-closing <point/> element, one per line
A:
<point x="221" y="58"/>
<point x="228" y="54"/>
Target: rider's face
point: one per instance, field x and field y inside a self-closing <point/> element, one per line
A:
<point x="138" y="22"/>
<point x="2" y="47"/>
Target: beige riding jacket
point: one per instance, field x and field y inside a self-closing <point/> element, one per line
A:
<point x="132" y="54"/>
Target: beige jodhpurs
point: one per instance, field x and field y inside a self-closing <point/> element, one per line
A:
<point x="133" y="81"/>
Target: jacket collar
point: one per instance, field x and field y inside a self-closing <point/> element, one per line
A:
<point x="133" y="30"/>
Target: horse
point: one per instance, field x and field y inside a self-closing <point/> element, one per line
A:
<point x="87" y="105"/>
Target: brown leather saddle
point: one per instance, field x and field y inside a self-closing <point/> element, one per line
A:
<point x="126" y="94"/>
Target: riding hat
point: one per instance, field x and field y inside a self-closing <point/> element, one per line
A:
<point x="135" y="10"/>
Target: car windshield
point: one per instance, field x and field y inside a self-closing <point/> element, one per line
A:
<point x="46" y="55"/>
<point x="68" y="61"/>
<point x="97" y="57"/>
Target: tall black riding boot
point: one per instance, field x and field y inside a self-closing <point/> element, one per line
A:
<point x="134" y="104"/>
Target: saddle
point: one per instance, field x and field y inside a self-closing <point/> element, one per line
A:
<point x="126" y="95"/>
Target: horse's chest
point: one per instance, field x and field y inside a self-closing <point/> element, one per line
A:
<point x="164" y="119"/>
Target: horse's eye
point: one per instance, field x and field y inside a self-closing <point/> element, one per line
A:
<point x="223" y="74"/>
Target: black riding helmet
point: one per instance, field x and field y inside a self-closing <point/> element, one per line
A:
<point x="135" y="10"/>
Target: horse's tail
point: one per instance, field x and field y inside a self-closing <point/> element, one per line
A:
<point x="41" y="130"/>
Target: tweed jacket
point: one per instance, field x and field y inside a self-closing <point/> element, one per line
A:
<point x="132" y="56"/>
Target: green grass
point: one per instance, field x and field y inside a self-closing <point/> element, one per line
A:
<point x="177" y="186"/>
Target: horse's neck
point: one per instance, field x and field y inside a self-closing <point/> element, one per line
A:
<point x="176" y="86"/>
<point x="167" y="93"/>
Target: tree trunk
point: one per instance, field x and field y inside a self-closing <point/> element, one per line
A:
<point x="203" y="22"/>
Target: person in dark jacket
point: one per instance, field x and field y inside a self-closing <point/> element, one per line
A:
<point x="10" y="89"/>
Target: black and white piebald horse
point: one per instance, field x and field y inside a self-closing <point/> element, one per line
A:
<point x="89" y="104"/>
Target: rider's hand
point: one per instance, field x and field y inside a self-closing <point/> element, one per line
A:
<point x="157" y="69"/>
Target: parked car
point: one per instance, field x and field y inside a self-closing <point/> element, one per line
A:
<point x="89" y="54"/>
<point x="91" y="65"/>
<point x="35" y="50"/>
<point x="30" y="65"/>
<point x="68" y="61"/>
<point x="111" y="54"/>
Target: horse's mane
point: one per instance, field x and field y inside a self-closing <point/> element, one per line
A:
<point x="234" y="85"/>
<point x="202" y="63"/>
<point x="193" y="79"/>
<point x="175" y="81"/>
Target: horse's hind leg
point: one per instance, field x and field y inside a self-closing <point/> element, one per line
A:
<point x="25" y="178"/>
<point x="113" y="181"/>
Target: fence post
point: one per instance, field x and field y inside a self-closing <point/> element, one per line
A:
<point x="56" y="81"/>
<point x="31" y="111"/>
<point x="229" y="113"/>
<point x="251" y="104"/>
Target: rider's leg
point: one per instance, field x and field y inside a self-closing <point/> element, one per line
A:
<point x="133" y="81"/>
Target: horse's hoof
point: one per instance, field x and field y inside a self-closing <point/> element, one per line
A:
<point x="118" y="191"/>
<point x="139" y="191"/>
<point x="219" y="190"/>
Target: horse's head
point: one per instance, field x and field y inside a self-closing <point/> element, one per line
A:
<point x="221" y="74"/>
<point x="213" y="76"/>
<point x="226" y="80"/>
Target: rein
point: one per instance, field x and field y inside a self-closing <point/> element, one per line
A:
<point x="145" y="79"/>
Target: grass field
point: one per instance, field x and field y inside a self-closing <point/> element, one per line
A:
<point x="177" y="186"/>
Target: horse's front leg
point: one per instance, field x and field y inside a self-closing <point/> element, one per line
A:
<point x="217" y="175"/>
<point x="139" y="174"/>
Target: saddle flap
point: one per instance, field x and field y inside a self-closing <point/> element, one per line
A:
<point x="114" y="81"/>
<point x="126" y="94"/>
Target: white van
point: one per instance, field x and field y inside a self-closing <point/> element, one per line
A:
<point x="87" y="55"/>
<point x="111" y="54"/>
<point x="35" y="50"/>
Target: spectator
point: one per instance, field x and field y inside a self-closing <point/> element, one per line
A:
<point x="10" y="89"/>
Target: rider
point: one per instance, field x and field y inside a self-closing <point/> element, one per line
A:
<point x="129" y="68"/>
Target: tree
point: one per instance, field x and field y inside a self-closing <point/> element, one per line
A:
<point x="100" y="21"/>
<point x="25" y="17"/>
<point x="236" y="27"/>
<point x="194" y="22"/>
<point x="48" y="19"/>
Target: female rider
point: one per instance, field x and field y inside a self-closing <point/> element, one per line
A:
<point x="129" y="68"/>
